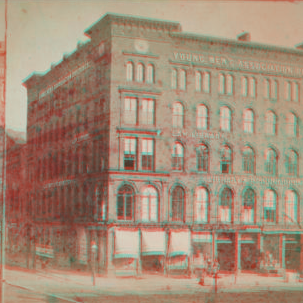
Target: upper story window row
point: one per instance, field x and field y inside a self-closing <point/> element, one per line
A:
<point x="140" y="72"/>
<point x="226" y="120"/>
<point x="226" y="85"/>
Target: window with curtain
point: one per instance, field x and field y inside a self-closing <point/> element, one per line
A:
<point x="291" y="207"/>
<point x="178" y="115"/>
<point x="248" y="123"/>
<point x="226" y="160"/>
<point x="225" y="205"/>
<point x="248" y="160"/>
<point x="125" y="203"/>
<point x="202" y="158"/>
<point x="147" y="154"/>
<point x="269" y="215"/>
<point x="270" y="123"/>
<point x="177" y="156"/>
<point x="130" y="110"/>
<point x="177" y="204"/>
<point x="248" y="206"/>
<point x="202" y="117"/>
<point x="201" y="204"/>
<point x="225" y="119"/>
<point x="271" y="161"/>
<point x="148" y="111"/>
<point x="292" y="163"/>
<point x="149" y="206"/>
<point x="130" y="154"/>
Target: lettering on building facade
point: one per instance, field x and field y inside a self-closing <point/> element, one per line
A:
<point x="250" y="180"/>
<point x="196" y="134"/>
<point x="233" y="63"/>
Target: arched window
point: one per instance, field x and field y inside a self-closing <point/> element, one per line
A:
<point x="274" y="89"/>
<point x="202" y="158"/>
<point x="174" y="79"/>
<point x="221" y="84"/>
<point x="292" y="163"/>
<point x="291" y="127"/>
<point x="129" y="71"/>
<point x="248" y="160"/>
<point x="271" y="161"/>
<point x="198" y="81"/>
<point x="177" y="156"/>
<point x="226" y="160"/>
<point x="225" y="205"/>
<point x="248" y="206"/>
<point x="177" y="204"/>
<point x="149" y="204"/>
<point x="202" y="117"/>
<point x="225" y="119"/>
<point x="244" y="86"/>
<point x="125" y="203"/>
<point x="266" y="89"/>
<point x="229" y="84"/>
<point x="252" y="87"/>
<point x="201" y="204"/>
<point x="248" y="123"/>
<point x="291" y="207"/>
<point x="269" y="206"/>
<point x="140" y="72"/>
<point x="178" y="115"/>
<point x="270" y="123"/>
<point x="150" y="74"/>
<point x="294" y="92"/>
<point x="206" y="82"/>
<point x="182" y="79"/>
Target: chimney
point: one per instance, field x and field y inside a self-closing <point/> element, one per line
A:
<point x="244" y="36"/>
<point x="299" y="46"/>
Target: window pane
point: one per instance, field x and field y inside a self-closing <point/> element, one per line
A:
<point x="140" y="72"/>
<point x="150" y="74"/>
<point x="287" y="91"/>
<point x="174" y="79"/>
<point x="182" y="79"/>
<point x="198" y="81"/>
<point x="129" y="71"/>
<point x="206" y="82"/>
<point x="177" y="204"/>
<point x="252" y="87"/>
<point x="202" y="117"/>
<point x="266" y="88"/>
<point x="229" y="84"/>
<point x="221" y="84"/>
<point x="244" y="86"/>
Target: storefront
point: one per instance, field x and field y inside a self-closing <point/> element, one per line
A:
<point x="249" y="252"/>
<point x="202" y="249"/>
<point x="292" y="252"/>
<point x="153" y="250"/>
<point x="179" y="251"/>
<point x="226" y="251"/>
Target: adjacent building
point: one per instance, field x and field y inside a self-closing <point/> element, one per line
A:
<point x="161" y="146"/>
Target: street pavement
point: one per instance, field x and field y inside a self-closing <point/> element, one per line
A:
<point x="57" y="286"/>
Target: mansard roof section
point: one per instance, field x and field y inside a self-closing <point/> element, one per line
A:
<point x="122" y="19"/>
<point x="233" y="42"/>
<point x="68" y="62"/>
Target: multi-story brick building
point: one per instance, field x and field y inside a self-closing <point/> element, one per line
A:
<point x="161" y="145"/>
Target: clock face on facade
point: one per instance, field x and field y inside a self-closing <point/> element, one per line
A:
<point x="141" y="46"/>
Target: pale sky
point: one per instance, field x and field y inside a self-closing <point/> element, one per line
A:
<point x="40" y="32"/>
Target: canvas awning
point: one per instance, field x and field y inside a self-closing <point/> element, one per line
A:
<point x="126" y="244"/>
<point x="153" y="242"/>
<point x="179" y="243"/>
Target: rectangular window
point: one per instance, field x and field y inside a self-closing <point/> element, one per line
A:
<point x="225" y="167"/>
<point x="148" y="110"/>
<point x="130" y="110"/>
<point x="177" y="162"/>
<point x="147" y="154"/>
<point x="130" y="154"/>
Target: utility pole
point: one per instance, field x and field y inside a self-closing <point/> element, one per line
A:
<point x="2" y="121"/>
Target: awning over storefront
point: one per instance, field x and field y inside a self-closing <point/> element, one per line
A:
<point x="153" y="243"/>
<point x="179" y="243"/>
<point x="126" y="243"/>
<point x="202" y="237"/>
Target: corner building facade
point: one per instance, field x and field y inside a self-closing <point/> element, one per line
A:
<point x="161" y="146"/>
